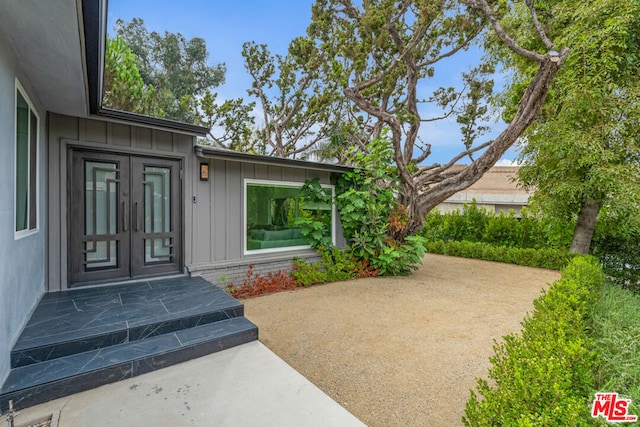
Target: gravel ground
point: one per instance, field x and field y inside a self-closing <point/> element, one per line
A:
<point x="400" y="351"/>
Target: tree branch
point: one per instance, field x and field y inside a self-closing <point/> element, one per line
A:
<point x="422" y="157"/>
<point x="452" y="52"/>
<point x="502" y="34"/>
<point x="530" y="104"/>
<point x="412" y="44"/>
<point x="424" y="180"/>
<point x="538" y="25"/>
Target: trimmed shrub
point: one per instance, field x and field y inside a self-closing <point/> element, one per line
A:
<point x="473" y="224"/>
<point x="545" y="375"/>
<point x="553" y="259"/>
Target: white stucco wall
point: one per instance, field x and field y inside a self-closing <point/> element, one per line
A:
<point x="21" y="260"/>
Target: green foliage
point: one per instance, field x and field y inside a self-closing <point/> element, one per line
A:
<point x="175" y="72"/>
<point x="367" y="205"/>
<point x="124" y="88"/>
<point x="553" y="259"/>
<point x="339" y="265"/>
<point x="298" y="107"/>
<point x="615" y="330"/>
<point x="315" y="226"/>
<point x="616" y="240"/>
<point x="400" y="259"/>
<point x="175" y="66"/>
<point x="545" y="375"/>
<point x="231" y="123"/>
<point x="384" y="55"/>
<point x="307" y="274"/>
<point x="336" y="265"/>
<point x="618" y="248"/>
<point x="586" y="146"/>
<point x="499" y="230"/>
<point x="475" y="224"/>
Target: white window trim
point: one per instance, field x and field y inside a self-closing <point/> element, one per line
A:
<point x="28" y="232"/>
<point x="248" y="181"/>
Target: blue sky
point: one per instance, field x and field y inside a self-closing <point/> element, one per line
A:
<point x="226" y="25"/>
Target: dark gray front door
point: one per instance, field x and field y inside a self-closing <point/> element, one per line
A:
<point x="125" y="217"/>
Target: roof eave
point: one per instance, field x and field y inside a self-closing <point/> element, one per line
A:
<point x="215" y="153"/>
<point x="154" y="122"/>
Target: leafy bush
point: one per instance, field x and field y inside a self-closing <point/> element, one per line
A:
<point x="545" y="375"/>
<point x="553" y="259"/>
<point x="619" y="253"/>
<point x="502" y="230"/>
<point x="340" y="265"/>
<point x="307" y="274"/>
<point x="616" y="241"/>
<point x="474" y="224"/>
<point x="400" y="259"/>
<point x="370" y="214"/>
<point x="313" y="227"/>
<point x="336" y="265"/>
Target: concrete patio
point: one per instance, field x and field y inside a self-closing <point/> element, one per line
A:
<point x="243" y="386"/>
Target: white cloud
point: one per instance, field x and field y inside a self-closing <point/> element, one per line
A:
<point x="507" y="162"/>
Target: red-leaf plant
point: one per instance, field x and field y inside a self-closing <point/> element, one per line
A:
<point x="254" y="284"/>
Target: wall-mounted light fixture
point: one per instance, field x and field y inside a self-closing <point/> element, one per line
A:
<point x="204" y="171"/>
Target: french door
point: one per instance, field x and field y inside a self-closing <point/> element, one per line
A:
<point x="125" y="217"/>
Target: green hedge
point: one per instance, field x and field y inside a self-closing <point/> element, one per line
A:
<point x="474" y="224"/>
<point x="554" y="259"/>
<point x="544" y="377"/>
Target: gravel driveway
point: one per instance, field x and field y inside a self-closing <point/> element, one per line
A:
<point x="400" y="351"/>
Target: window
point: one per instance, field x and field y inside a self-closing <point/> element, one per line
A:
<point x="271" y="210"/>
<point x="26" y="155"/>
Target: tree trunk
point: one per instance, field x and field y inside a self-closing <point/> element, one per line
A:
<point x="585" y="226"/>
<point x="423" y="192"/>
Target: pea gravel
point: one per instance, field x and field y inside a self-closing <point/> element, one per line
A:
<point x="400" y="351"/>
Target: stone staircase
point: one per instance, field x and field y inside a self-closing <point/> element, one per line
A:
<point x="81" y="339"/>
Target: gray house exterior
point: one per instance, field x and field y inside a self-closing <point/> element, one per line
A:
<point x="211" y="233"/>
<point x="22" y="254"/>
<point x="92" y="196"/>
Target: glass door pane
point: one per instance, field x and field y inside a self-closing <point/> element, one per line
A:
<point x="100" y="209"/>
<point x="158" y="246"/>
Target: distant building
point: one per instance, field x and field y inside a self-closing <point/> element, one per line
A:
<point x="495" y="191"/>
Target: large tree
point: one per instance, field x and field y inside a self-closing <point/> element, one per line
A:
<point x="168" y="76"/>
<point x="175" y="66"/>
<point x="583" y="154"/>
<point x="383" y="50"/>
<point x="124" y="88"/>
<point x="296" y="106"/>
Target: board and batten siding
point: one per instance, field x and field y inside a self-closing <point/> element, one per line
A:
<point x="212" y="211"/>
<point x="218" y="220"/>
<point x="66" y="132"/>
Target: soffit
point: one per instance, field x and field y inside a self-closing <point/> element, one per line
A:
<point x="46" y="39"/>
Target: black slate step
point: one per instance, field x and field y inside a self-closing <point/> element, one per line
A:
<point x="37" y="383"/>
<point x="87" y="319"/>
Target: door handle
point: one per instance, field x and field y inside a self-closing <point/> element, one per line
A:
<point x="125" y="226"/>
<point x="135" y="216"/>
